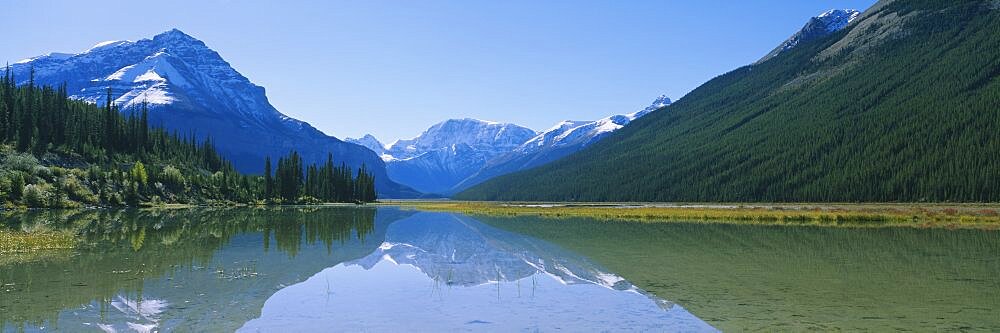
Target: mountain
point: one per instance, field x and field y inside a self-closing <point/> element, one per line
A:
<point x="899" y="105"/>
<point x="820" y="26"/>
<point x="369" y="141"/>
<point x="191" y="89"/>
<point x="449" y="152"/>
<point x="488" y="136"/>
<point x="563" y="139"/>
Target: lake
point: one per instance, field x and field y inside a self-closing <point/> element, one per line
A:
<point x="392" y="269"/>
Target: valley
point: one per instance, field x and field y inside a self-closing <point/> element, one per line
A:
<point x="793" y="171"/>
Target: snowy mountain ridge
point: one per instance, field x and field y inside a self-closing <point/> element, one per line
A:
<point x="488" y="136"/>
<point x="583" y="133"/>
<point x="821" y="25"/>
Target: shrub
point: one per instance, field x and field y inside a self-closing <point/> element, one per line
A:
<point x="42" y="171"/>
<point x="173" y="178"/>
<point x="5" y="185"/>
<point x="59" y="172"/>
<point x="76" y="191"/>
<point x="16" y="185"/>
<point x="155" y="201"/>
<point x="36" y="195"/>
<point x="138" y="174"/>
<point x="308" y="200"/>
<point x="20" y="162"/>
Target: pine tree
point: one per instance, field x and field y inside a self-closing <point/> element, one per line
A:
<point x="144" y="127"/>
<point x="8" y="96"/>
<point x="268" y="179"/>
<point x="109" y="122"/>
<point x="3" y="119"/>
<point x="26" y="119"/>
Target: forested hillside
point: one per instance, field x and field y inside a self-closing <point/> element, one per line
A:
<point x="58" y="152"/>
<point x="902" y="105"/>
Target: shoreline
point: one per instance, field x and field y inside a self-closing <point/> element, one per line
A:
<point x="967" y="216"/>
<point x="979" y="216"/>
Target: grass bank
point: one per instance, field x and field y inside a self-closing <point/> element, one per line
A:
<point x="953" y="216"/>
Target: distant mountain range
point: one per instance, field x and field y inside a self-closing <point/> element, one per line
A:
<point x="447" y="152"/>
<point x="457" y="153"/>
<point x="191" y="89"/>
<point x="898" y="103"/>
<point x="563" y="139"/>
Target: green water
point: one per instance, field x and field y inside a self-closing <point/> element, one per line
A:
<point x="740" y="278"/>
<point x="251" y="269"/>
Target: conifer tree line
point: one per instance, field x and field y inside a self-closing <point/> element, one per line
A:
<point x="326" y="182"/>
<point x="60" y="152"/>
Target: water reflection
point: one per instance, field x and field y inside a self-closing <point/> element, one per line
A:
<point x="310" y="268"/>
<point x="445" y="272"/>
<point x="190" y="270"/>
<point x="752" y="278"/>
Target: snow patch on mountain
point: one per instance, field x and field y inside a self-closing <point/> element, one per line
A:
<point x="153" y="68"/>
<point x="582" y="133"/>
<point x="107" y="44"/>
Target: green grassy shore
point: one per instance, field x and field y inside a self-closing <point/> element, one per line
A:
<point x="951" y="216"/>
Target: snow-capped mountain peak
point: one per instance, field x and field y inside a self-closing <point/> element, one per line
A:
<point x="836" y="19"/>
<point x="819" y="26"/>
<point x="369" y="141"/>
<point x="175" y="34"/>
<point x="479" y="134"/>
<point x="657" y="104"/>
<point x="154" y="70"/>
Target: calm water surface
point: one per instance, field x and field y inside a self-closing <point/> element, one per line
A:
<point x="386" y="269"/>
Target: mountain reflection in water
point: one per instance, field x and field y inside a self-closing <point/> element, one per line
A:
<point x="341" y="269"/>
<point x="446" y="272"/>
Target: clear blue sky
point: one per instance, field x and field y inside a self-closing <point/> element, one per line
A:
<point x="393" y="68"/>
